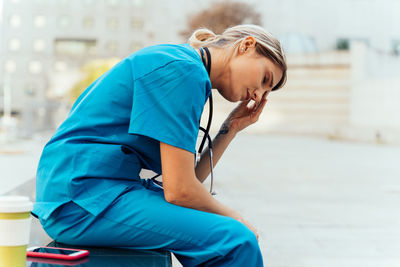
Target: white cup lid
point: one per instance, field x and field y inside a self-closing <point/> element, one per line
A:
<point x="14" y="204"/>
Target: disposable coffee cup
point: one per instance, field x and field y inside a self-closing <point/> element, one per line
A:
<point x="15" y="223"/>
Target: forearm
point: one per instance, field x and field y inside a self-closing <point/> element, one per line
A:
<point x="194" y="195"/>
<point x="220" y="143"/>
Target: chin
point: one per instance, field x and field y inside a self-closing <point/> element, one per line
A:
<point x="224" y="95"/>
<point x="232" y="99"/>
<point x="229" y="96"/>
<point x="237" y="98"/>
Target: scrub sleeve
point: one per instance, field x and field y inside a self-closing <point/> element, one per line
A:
<point x="89" y="192"/>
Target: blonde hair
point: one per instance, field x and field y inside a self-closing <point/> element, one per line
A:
<point x="266" y="44"/>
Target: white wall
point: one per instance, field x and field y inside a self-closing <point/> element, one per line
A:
<point x="375" y="89"/>
<point x="327" y="20"/>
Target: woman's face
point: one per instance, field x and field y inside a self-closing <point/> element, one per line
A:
<point x="248" y="75"/>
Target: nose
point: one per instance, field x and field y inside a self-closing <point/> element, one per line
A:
<point x="258" y="95"/>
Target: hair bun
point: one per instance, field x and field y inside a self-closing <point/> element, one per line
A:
<point x="202" y="35"/>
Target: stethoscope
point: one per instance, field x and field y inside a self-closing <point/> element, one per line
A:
<point x="207" y="65"/>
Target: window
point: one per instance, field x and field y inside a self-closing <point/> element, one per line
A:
<point x="14" y="44"/>
<point x="396" y="47"/>
<point x="112" y="2"/>
<point x="39" y="21"/>
<point x="343" y="44"/>
<point x="136" y="46"/>
<point x="10" y="66"/>
<point x="112" y="46"/>
<point x="112" y="23"/>
<point x="75" y="46"/>
<point x="39" y="45"/>
<point x="137" y="23"/>
<point x="63" y="21"/>
<point x="30" y="89"/>
<point x="137" y="3"/>
<point x="88" y="22"/>
<point x="60" y="66"/>
<point x="35" y="67"/>
<point x="15" y="21"/>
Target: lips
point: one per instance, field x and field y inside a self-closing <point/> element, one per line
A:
<point x="248" y="95"/>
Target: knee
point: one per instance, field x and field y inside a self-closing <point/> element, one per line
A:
<point x="239" y="237"/>
<point x="245" y="237"/>
<point x="236" y="245"/>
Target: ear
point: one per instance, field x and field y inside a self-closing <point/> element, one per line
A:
<point x="248" y="43"/>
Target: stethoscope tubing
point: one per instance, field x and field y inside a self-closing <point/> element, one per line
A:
<point x="206" y="131"/>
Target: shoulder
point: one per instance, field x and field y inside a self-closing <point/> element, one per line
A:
<point x="181" y="58"/>
<point x="168" y="52"/>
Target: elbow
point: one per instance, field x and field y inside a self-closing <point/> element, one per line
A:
<point x="171" y="198"/>
<point x="177" y="197"/>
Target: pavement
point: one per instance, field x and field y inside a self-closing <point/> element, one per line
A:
<point x="315" y="202"/>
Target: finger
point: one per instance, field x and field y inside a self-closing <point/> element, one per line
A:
<point x="253" y="106"/>
<point x="247" y="105"/>
<point x="245" y="101"/>
<point x="258" y="103"/>
<point x="263" y="100"/>
<point x="257" y="111"/>
<point x="242" y="105"/>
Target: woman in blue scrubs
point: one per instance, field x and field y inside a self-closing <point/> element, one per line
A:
<point x="144" y="113"/>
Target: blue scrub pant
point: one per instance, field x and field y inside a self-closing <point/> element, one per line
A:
<point x="140" y="218"/>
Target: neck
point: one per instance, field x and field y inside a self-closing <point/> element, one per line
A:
<point x="218" y="65"/>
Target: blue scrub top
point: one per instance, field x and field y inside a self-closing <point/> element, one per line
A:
<point x="114" y="129"/>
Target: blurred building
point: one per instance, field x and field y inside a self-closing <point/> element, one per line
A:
<point x="333" y="23"/>
<point x="44" y="43"/>
<point x="42" y="38"/>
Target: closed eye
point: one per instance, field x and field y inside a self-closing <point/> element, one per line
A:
<point x="265" y="80"/>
